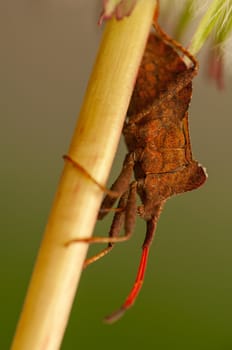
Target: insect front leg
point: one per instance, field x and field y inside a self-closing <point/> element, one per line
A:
<point x="82" y="170"/>
<point x="126" y="207"/>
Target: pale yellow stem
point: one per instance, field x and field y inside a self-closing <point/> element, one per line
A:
<point x="58" y="267"/>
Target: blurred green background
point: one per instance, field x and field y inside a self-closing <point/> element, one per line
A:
<point x="47" y="51"/>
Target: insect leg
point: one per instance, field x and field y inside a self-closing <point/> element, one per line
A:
<point x="175" y="44"/>
<point x="130" y="216"/>
<point x="126" y="207"/>
<point x="86" y="174"/>
<point x="119" y="186"/>
<point x="115" y="228"/>
<point x="151" y="227"/>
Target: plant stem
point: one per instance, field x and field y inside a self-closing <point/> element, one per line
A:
<point x="58" y="268"/>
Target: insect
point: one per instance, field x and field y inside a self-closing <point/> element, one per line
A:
<point x="159" y="152"/>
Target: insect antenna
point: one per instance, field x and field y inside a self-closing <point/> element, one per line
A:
<point x="151" y="226"/>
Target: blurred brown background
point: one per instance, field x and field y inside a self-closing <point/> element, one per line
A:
<point x="47" y="51"/>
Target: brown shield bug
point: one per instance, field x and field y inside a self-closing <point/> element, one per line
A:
<point x="159" y="151"/>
